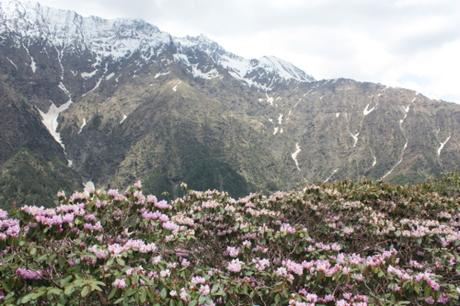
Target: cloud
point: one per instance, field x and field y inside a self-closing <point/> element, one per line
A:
<point x="412" y="43"/>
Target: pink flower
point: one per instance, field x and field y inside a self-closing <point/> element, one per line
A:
<point x="162" y="205"/>
<point x="233" y="251"/>
<point x="171" y="226"/>
<point x="138" y="184"/>
<point x="261" y="264"/>
<point x="204" y="290"/>
<point x="198" y="280"/>
<point x="443" y="299"/>
<point x="119" y="283"/>
<point x="287" y="228"/>
<point x="311" y="298"/>
<point x="183" y="294"/>
<point x="342" y="303"/>
<point x="293" y="267"/>
<point x="29" y="274"/>
<point x="329" y="298"/>
<point x="429" y="300"/>
<point x="3" y="214"/>
<point x="151" y="199"/>
<point x="165" y="273"/>
<point x="234" y="266"/>
<point x="185" y="263"/>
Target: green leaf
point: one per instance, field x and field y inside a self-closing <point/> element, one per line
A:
<point x="86" y="290"/>
<point x="112" y="293"/>
<point x="54" y="290"/>
<point x="68" y="290"/>
<point x="163" y="293"/>
<point x="215" y="288"/>
<point x="33" y="251"/>
<point x="65" y="280"/>
<point x="192" y="303"/>
<point x="31" y="296"/>
<point x="120" y="261"/>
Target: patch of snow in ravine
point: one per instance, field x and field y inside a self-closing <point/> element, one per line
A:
<point x="33" y="64"/>
<point x="355" y="138"/>
<point x="82" y="126"/>
<point x="175" y="86"/>
<point x="160" y="74"/>
<point x="330" y="176"/>
<point x="12" y="63"/>
<point x="294" y="155"/>
<point x="50" y="119"/>
<point x="109" y="76"/>
<point x="442" y="144"/>
<point x="269" y="99"/>
<point x="88" y="75"/>
<point x="368" y="110"/>
<point x="374" y="162"/>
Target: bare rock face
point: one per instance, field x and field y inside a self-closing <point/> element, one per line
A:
<point x="119" y="100"/>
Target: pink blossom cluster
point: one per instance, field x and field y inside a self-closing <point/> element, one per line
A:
<point x="233" y="251"/>
<point x="261" y="263"/>
<point x="29" y="274"/>
<point x="9" y="228"/>
<point x="235" y="266"/>
<point x="116" y="195"/>
<point x="134" y="245"/>
<point x="287" y="228"/>
<point x="3" y="214"/>
<point x="119" y="283"/>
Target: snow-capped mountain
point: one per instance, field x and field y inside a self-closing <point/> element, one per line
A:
<point x="112" y="101"/>
<point x="116" y="40"/>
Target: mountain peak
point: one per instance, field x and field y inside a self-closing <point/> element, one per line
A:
<point x="25" y="21"/>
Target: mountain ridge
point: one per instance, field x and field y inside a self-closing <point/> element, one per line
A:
<point x="184" y="109"/>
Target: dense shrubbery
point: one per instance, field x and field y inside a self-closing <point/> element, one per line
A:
<point x="337" y="244"/>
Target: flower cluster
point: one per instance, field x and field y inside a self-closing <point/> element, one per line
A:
<point x="335" y="244"/>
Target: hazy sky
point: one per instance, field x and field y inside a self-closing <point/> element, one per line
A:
<point x="406" y="43"/>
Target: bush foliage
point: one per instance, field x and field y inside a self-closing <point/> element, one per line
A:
<point x="343" y="243"/>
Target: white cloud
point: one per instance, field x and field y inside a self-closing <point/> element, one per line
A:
<point x="406" y="43"/>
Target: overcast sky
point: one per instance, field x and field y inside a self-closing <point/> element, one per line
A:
<point x="406" y="43"/>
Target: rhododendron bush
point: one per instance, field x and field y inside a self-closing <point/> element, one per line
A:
<point x="335" y="244"/>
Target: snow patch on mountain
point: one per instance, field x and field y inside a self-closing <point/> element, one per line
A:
<point x="88" y="75"/>
<point x="442" y="144"/>
<point x="160" y="74"/>
<point x="12" y="63"/>
<point x="294" y="155"/>
<point x="368" y="110"/>
<point x="355" y="138"/>
<point x="331" y="176"/>
<point x="82" y="126"/>
<point x="109" y="76"/>
<point x="211" y="74"/>
<point x="398" y="163"/>
<point x="403" y="131"/>
<point x="374" y="160"/>
<point x="174" y="88"/>
<point x="50" y="119"/>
